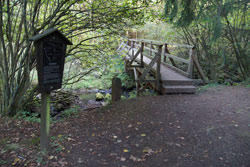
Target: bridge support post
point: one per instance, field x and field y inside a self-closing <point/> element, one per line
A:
<point x="191" y="63"/>
<point x="142" y="48"/>
<point x="158" y="70"/>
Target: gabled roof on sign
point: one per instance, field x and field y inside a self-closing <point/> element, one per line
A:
<point x="48" y="32"/>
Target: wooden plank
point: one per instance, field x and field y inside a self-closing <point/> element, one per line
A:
<point x="149" y="67"/>
<point x="153" y="50"/>
<point x="177" y="58"/>
<point x="158" y="43"/>
<point x="176" y="69"/>
<point x="180" y="45"/>
<point x="161" y="43"/>
<point x="135" y="66"/>
<point x="146" y="80"/>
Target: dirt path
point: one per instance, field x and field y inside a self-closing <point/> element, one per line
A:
<point x="210" y="128"/>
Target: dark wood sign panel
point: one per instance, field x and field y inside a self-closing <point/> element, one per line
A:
<point x="50" y="51"/>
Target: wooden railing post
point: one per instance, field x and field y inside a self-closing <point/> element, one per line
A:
<point x="142" y="49"/>
<point x="191" y="63"/>
<point x="158" y="69"/>
<point x="165" y="51"/>
<point x="133" y="46"/>
<point x="151" y="47"/>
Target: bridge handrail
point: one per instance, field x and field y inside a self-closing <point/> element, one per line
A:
<point x="192" y="61"/>
<point x="154" y="42"/>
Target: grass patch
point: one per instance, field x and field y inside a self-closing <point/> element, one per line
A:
<point x="211" y="85"/>
<point x="71" y="111"/>
<point x="10" y="147"/>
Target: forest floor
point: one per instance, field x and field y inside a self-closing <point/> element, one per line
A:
<point x="209" y="128"/>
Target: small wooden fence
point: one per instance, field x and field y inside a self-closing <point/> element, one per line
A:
<point x="138" y="53"/>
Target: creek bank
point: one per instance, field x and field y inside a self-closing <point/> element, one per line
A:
<point x="83" y="99"/>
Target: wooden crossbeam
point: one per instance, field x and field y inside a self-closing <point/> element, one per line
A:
<point x="120" y="46"/>
<point x="149" y="67"/>
<point x="135" y="56"/>
<point x="177" y="58"/>
<point x="146" y="80"/>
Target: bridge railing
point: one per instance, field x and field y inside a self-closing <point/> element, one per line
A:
<point x="150" y="48"/>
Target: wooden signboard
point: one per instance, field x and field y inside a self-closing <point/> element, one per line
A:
<point x="50" y="53"/>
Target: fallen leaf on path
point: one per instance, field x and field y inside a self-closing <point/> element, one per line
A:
<point x="123" y="159"/>
<point x="51" y="157"/>
<point x="136" y="159"/>
<point x="16" y="160"/>
<point x="125" y="150"/>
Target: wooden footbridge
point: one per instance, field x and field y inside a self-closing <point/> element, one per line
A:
<point x="164" y="67"/>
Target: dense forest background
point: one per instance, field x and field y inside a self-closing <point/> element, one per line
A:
<point x="219" y="29"/>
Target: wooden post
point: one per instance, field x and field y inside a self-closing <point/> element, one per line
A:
<point x="116" y="89"/>
<point x="191" y="63"/>
<point x="165" y="51"/>
<point x="45" y="121"/>
<point x="142" y="48"/>
<point x="136" y="82"/>
<point x="158" y="70"/>
<point x="133" y="46"/>
<point x="151" y="47"/>
<point x="199" y="69"/>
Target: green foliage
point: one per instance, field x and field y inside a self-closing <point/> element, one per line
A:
<point x="27" y="116"/>
<point x="3" y="141"/>
<point x="132" y="95"/>
<point x="11" y="147"/>
<point x="218" y="29"/>
<point x="2" y="162"/>
<point x="157" y="30"/>
<point x="211" y="85"/>
<point x="40" y="157"/>
<point x="71" y="111"/>
<point x="93" y="27"/>
<point x="102" y="79"/>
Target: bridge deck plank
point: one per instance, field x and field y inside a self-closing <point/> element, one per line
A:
<point x="166" y="72"/>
